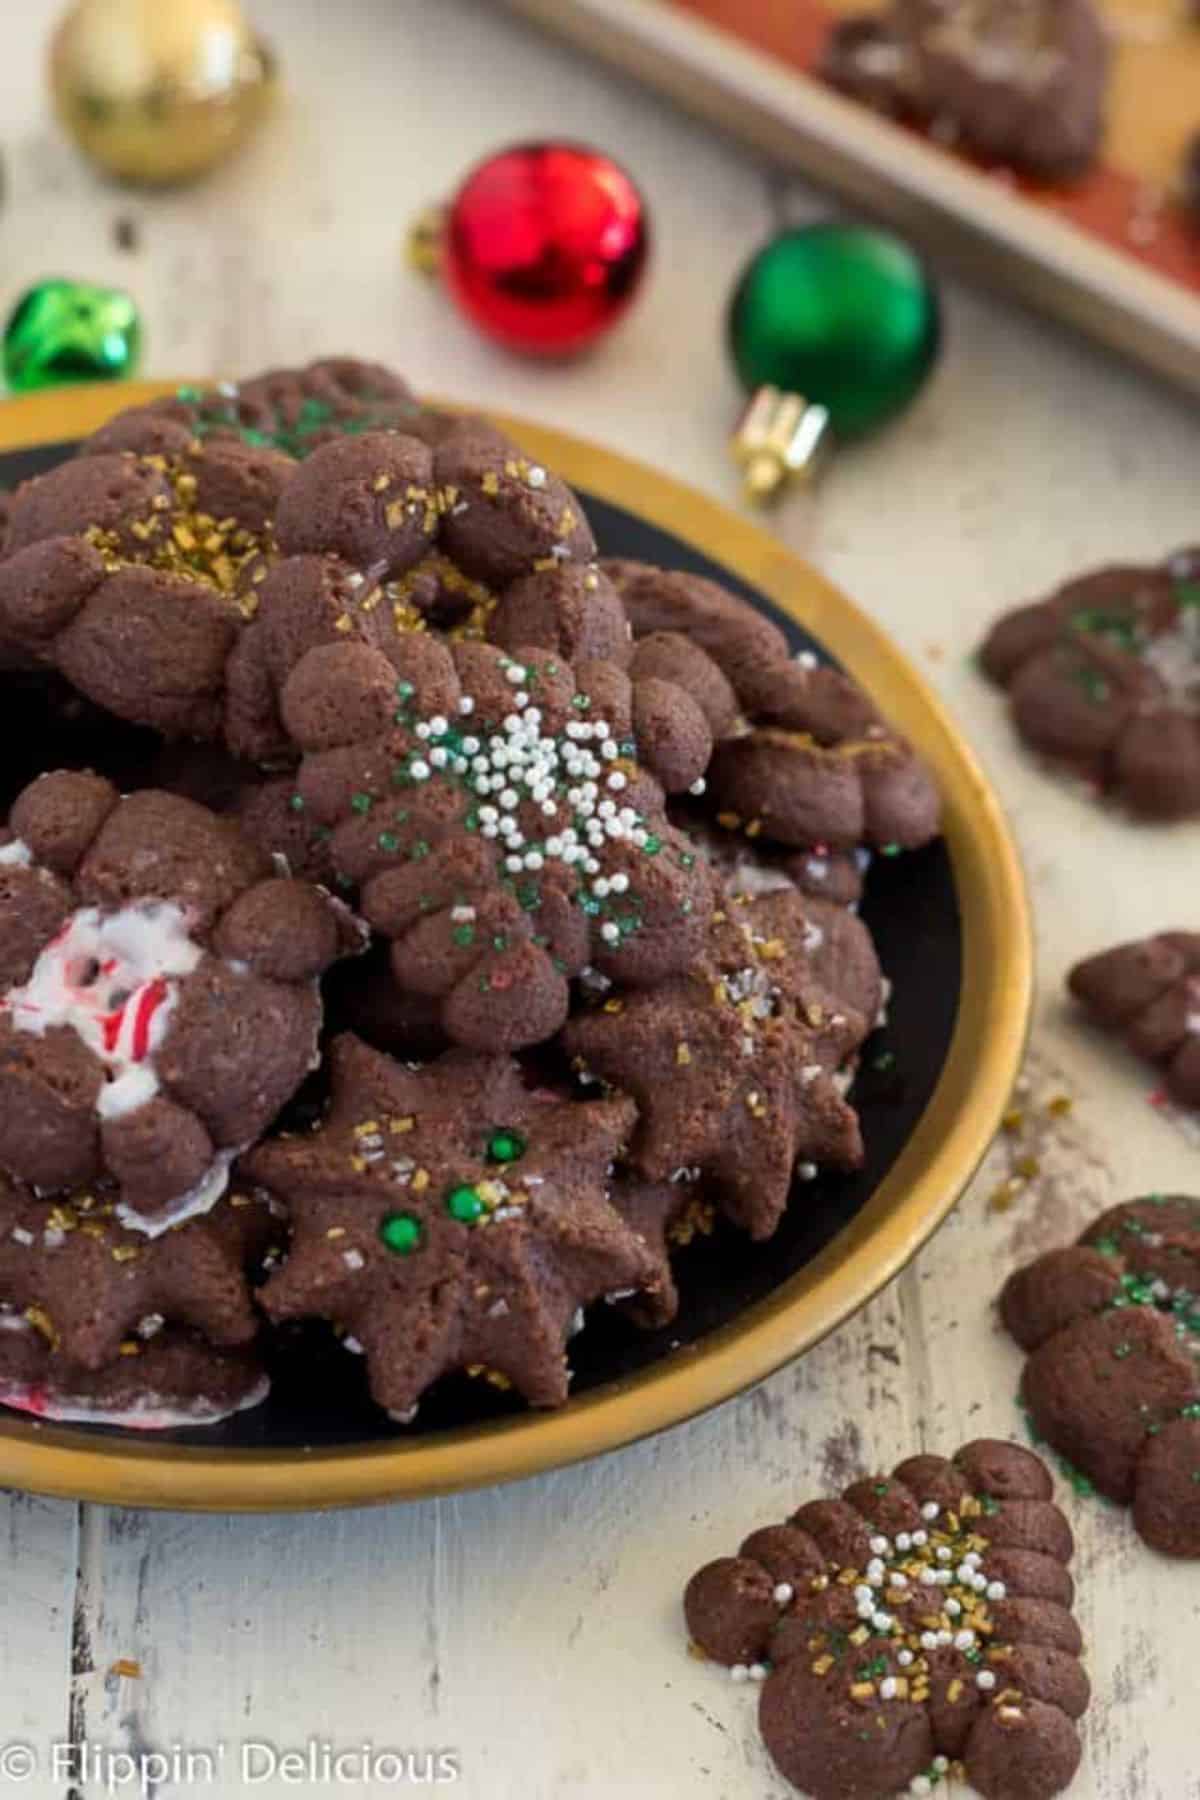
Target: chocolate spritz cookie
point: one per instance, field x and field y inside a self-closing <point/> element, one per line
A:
<point x="1149" y="992"/>
<point x="1104" y="680"/>
<point x="1020" y="82"/>
<point x="810" y="762"/>
<point x="917" y="1627"/>
<point x="452" y="1217"/>
<point x="735" y="1061"/>
<point x="1112" y="1327"/>
<point x="503" y="819"/>
<point x="291" y="410"/>
<point x="100" y="1323"/>
<point x="158" y="994"/>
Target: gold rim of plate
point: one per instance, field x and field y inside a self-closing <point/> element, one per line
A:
<point x="922" y="1186"/>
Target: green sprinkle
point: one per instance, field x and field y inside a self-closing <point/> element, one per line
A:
<point x="505" y="1145"/>
<point x="653" y="844"/>
<point x="388" y="841"/>
<point x="889" y="850"/>
<point x="405" y="690"/>
<point x="1117" y="627"/>
<point x="1187" y="594"/>
<point x="1121" y="1351"/>
<point x="464" y="1204"/>
<point x="463" y="935"/>
<point x="361" y="803"/>
<point x="401" y="1233"/>
<point x="1093" y="684"/>
<point x="297" y="803"/>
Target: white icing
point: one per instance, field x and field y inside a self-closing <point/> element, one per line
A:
<point x="149" y="1412"/>
<point x="16" y="852"/>
<point x="111" y="978"/>
<point x="1175" y="658"/>
<point x="199" y="1199"/>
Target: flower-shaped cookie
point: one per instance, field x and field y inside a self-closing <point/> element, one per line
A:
<point x="734" y="1062"/>
<point x="132" y="575"/>
<point x="291" y="410"/>
<point x="919" y="1625"/>
<point x="812" y="765"/>
<point x="1104" y="679"/>
<point x="1112" y="1325"/>
<point x="158" y="993"/>
<point x="450" y="1217"/>
<point x="1149" y="991"/>
<point x="504" y="819"/>
<point x="97" y="1320"/>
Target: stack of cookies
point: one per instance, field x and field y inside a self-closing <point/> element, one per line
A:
<point x="482" y="922"/>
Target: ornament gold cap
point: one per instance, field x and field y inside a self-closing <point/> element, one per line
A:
<point x="425" y="238"/>
<point x="780" y="435"/>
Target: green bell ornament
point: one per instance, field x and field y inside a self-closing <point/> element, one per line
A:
<point x="833" y="330"/>
<point x="62" y="331"/>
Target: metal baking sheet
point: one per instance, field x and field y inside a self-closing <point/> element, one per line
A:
<point x="1113" y="255"/>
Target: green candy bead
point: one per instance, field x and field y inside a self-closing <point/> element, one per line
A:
<point x="505" y="1146"/>
<point x="62" y="331"/>
<point x="843" y="315"/>
<point x="401" y="1233"/>
<point x="464" y="1204"/>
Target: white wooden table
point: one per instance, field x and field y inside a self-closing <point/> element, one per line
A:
<point x="536" y="1630"/>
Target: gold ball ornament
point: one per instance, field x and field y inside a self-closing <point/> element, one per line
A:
<point x="158" y="91"/>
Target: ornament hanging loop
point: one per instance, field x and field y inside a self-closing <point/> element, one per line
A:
<point x="780" y="435"/>
<point x="426" y="237"/>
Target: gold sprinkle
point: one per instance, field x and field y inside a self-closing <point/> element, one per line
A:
<point x="125" y="1253"/>
<point x="126" y="1668"/>
<point x="41" y="1321"/>
<point x="380" y="483"/>
<point x="954" y="1691"/>
<point x="342" y="622"/>
<point x="822" y="1665"/>
<point x="393" y="513"/>
<point x="683" y="1055"/>
<point x="358" y="1164"/>
<point x="730" y="820"/>
<point x="859" y="1635"/>
<point x="614" y="1006"/>
<point x="336" y="1231"/>
<point x="490" y="483"/>
<point x="129" y="1347"/>
<point x="754" y="828"/>
<point x="420" y="1181"/>
<point x="862" y="1690"/>
<point x="368" y="1128"/>
<point x="399" y="1126"/>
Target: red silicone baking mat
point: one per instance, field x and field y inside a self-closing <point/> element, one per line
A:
<point x="1113" y="253"/>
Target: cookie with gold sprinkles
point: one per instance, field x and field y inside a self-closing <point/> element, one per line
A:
<point x="100" y="1322"/>
<point x="738" y="1063"/>
<point x="159" y="995"/>
<point x="899" y="1640"/>
<point x="450" y="1217"/>
<point x="1112" y="1380"/>
<point x="1148" y="992"/>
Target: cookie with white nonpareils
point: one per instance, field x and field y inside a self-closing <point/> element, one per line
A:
<point x="158" y="993"/>
<point x="503" y="819"/>
<point x="1112" y="1380"/>
<point x="916" y="1627"/>
<point x="448" y="1216"/>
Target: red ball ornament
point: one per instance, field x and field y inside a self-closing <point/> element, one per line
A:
<point x="544" y="247"/>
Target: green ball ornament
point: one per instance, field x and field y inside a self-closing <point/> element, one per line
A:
<point x="63" y="331"/>
<point x="401" y="1233"/>
<point x="464" y="1204"/>
<point x="833" y="329"/>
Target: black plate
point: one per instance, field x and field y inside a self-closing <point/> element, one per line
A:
<point x="318" y="1394"/>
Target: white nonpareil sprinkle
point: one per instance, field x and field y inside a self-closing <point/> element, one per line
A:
<point x="784" y="1593"/>
<point x="880" y="1546"/>
<point x="904" y="1658"/>
<point x="759" y="1671"/>
<point x="964" y="1640"/>
<point x="354" y="1259"/>
<point x="920" y="1784"/>
<point x="887" y="1688"/>
<point x="739" y="1672"/>
<point x="930" y="1510"/>
<point x="985" y="1680"/>
<point x="996" y="1590"/>
<point x="903" y="1541"/>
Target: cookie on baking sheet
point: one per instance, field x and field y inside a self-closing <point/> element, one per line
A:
<point x="1149" y="992"/>
<point x="1112" y="1381"/>
<point x="158" y="993"/>
<point x="916" y="1627"/>
<point x="102" y="1324"/>
<point x="1104" y="678"/>
<point x="448" y="1216"/>
<point x="1019" y="82"/>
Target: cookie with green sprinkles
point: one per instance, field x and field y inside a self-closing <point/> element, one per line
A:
<point x="897" y="1638"/>
<point x="449" y="1217"/>
<point x="1104" y="680"/>
<point x="1112" y="1381"/>
<point x="504" y="819"/>
<point x="1148" y="992"/>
